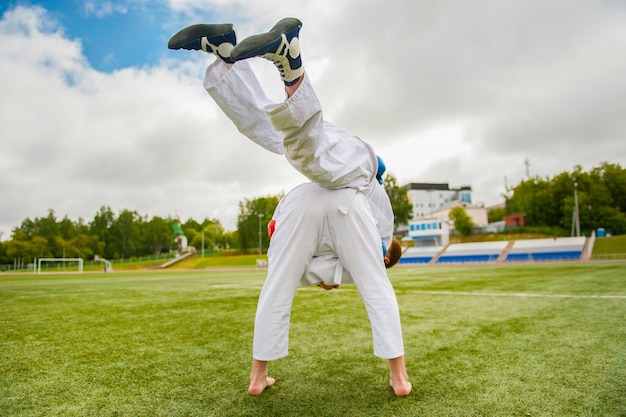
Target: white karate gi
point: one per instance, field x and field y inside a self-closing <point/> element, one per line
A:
<point x="346" y="214"/>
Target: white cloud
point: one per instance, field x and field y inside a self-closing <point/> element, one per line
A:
<point x="102" y="9"/>
<point x="447" y="91"/>
<point x="74" y="139"/>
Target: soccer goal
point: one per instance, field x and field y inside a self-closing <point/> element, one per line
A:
<point x="63" y="261"/>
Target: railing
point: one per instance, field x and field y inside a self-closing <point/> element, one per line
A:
<point x="23" y="266"/>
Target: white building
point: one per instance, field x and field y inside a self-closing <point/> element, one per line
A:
<point x="477" y="214"/>
<point x="431" y="206"/>
<point x="427" y="198"/>
<point x="428" y="233"/>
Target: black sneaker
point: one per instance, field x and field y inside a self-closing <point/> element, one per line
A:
<point x="217" y="39"/>
<point x="280" y="45"/>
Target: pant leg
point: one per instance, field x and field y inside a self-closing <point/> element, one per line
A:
<point x="299" y="218"/>
<point x="237" y="91"/>
<point x="328" y="155"/>
<point x="357" y="243"/>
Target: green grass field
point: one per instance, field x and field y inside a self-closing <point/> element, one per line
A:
<point x="514" y="340"/>
<point x="613" y="247"/>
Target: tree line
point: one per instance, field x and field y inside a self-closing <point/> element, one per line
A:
<point x="545" y="202"/>
<point x="600" y="195"/>
<point x="129" y="234"/>
<point x="108" y="235"/>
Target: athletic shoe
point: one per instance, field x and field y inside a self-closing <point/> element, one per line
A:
<point x="280" y="45"/>
<point x="217" y="39"/>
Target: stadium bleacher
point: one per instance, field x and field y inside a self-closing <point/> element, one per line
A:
<point x="419" y="255"/>
<point x="551" y="249"/>
<point x="557" y="249"/>
<point x="473" y="252"/>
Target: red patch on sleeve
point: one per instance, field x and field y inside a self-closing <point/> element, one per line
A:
<point x="271" y="227"/>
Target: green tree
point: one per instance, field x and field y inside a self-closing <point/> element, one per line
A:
<point x="87" y="246"/>
<point x="550" y="202"/>
<point x="211" y="232"/>
<point x="193" y="232"/>
<point x="613" y="177"/>
<point x="101" y="226"/>
<point x="48" y="228"/>
<point x="402" y="208"/>
<point x="157" y="235"/>
<point x="496" y="214"/>
<point x="229" y="239"/>
<point x="215" y="232"/>
<point x="462" y="221"/>
<point x="37" y="247"/>
<point x="252" y="221"/>
<point x="125" y="234"/>
<point x="26" y="231"/>
<point x="534" y="198"/>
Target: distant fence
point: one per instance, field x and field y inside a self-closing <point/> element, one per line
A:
<point x="21" y="265"/>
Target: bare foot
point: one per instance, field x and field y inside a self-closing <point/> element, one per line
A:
<point x="401" y="386"/>
<point x="398" y="378"/>
<point x="258" y="385"/>
<point x="401" y="389"/>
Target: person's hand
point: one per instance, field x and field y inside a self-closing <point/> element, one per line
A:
<point x="327" y="287"/>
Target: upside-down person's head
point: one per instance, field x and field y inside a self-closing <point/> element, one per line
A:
<point x="393" y="253"/>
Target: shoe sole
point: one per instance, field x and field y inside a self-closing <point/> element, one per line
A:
<point x="192" y="32"/>
<point x="255" y="45"/>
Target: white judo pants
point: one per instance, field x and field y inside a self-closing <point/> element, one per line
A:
<point x="306" y="219"/>
<point x="344" y="166"/>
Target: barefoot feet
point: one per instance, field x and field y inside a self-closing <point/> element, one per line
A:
<point x="258" y="385"/>
<point x="398" y="378"/>
<point x="401" y="387"/>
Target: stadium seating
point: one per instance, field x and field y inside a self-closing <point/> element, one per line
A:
<point x="419" y="255"/>
<point x="473" y="252"/>
<point x="552" y="249"/>
<point x="557" y="249"/>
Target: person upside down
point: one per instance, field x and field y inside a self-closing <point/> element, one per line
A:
<point x="338" y="228"/>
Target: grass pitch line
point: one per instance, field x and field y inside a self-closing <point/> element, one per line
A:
<point x="529" y="295"/>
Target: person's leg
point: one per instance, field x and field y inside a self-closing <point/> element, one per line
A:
<point x="237" y="91"/>
<point x="299" y="217"/>
<point x="234" y="88"/>
<point x="356" y="243"/>
<point x="326" y="154"/>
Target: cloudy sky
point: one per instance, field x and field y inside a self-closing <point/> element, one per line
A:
<point x="96" y="111"/>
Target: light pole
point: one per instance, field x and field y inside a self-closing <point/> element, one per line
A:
<point x="260" y="236"/>
<point x="576" y="213"/>
<point x="203" y="243"/>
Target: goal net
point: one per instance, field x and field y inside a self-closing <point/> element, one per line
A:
<point x="60" y="264"/>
